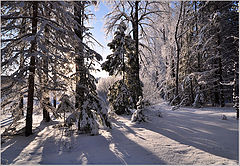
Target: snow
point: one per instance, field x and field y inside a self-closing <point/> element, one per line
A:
<point x="183" y="136"/>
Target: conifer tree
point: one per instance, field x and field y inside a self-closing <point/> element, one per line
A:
<point x="87" y="103"/>
<point x="119" y="63"/>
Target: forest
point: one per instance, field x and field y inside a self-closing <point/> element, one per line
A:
<point x="170" y="96"/>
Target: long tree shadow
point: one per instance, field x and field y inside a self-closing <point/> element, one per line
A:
<point x="197" y="131"/>
<point x="16" y="145"/>
<point x="110" y="148"/>
<point x="80" y="149"/>
<point x="132" y="152"/>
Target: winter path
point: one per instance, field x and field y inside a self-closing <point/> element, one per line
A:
<point x="183" y="136"/>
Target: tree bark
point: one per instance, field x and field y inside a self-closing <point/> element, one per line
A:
<point x="81" y="80"/>
<point x="21" y="94"/>
<point x="178" y="50"/>
<point x="46" y="98"/>
<point x="134" y="85"/>
<point x="54" y="101"/>
<point x="79" y="60"/>
<point x="28" y="128"/>
<point x="196" y="27"/>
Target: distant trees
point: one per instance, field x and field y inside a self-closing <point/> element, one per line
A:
<point x="198" y="67"/>
<point x="220" y="48"/>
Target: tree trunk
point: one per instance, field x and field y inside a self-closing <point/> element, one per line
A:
<point x="81" y="82"/>
<point x="196" y="27"/>
<point x="178" y="52"/>
<point x="221" y="97"/>
<point x="191" y="87"/>
<point x="134" y="84"/>
<point x="21" y="105"/>
<point x="54" y="101"/>
<point x="79" y="60"/>
<point x="28" y="128"/>
<point x="21" y="94"/>
<point x="46" y="98"/>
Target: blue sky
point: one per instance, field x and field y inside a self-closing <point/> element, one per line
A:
<point x="98" y="33"/>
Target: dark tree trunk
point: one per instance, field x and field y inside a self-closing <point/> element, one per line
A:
<point x="196" y="27"/>
<point x="178" y="52"/>
<point x="220" y="90"/>
<point x="192" y="96"/>
<point x="46" y="98"/>
<point x="221" y="97"/>
<point x="134" y="85"/>
<point x="55" y="102"/>
<point x="28" y="128"/>
<point x="81" y="82"/>
<point x="21" y="97"/>
<point x="79" y="60"/>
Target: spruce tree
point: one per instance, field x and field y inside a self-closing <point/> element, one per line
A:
<point x="120" y="62"/>
<point x="87" y="103"/>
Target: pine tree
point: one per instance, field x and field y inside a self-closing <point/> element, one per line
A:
<point x="219" y="49"/>
<point x="119" y="62"/>
<point x="87" y="103"/>
<point x="116" y="63"/>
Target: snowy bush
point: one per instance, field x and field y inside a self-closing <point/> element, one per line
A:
<point x="65" y="105"/>
<point x="87" y="120"/>
<point x="138" y="116"/>
<point x="93" y="114"/>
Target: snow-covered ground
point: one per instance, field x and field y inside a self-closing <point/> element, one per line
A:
<point x="183" y="136"/>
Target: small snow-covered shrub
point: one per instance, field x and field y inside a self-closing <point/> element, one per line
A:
<point x="65" y="106"/>
<point x="138" y="116"/>
<point x="92" y="115"/>
<point x="88" y="122"/>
